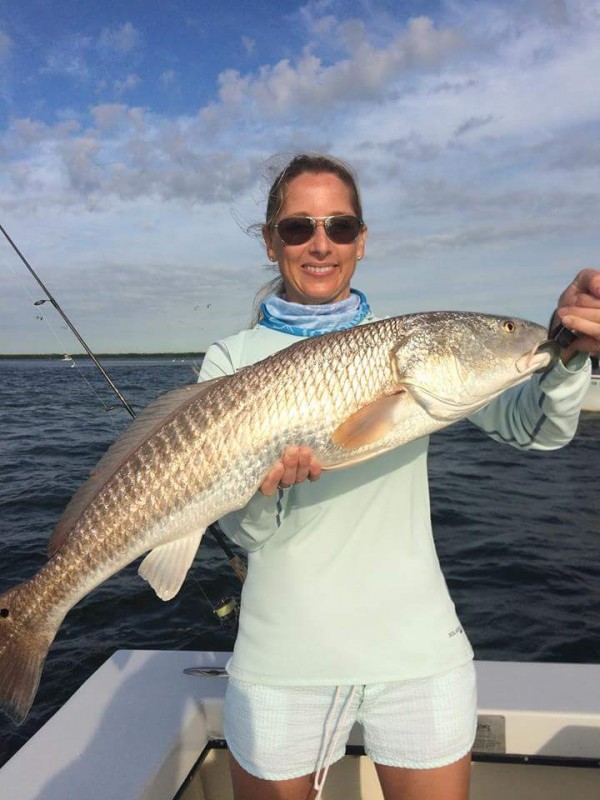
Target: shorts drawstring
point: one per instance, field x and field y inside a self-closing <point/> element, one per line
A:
<point x="328" y="748"/>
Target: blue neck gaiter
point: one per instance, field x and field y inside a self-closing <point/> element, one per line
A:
<point x="301" y="320"/>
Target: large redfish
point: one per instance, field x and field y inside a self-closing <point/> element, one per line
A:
<point x="200" y="452"/>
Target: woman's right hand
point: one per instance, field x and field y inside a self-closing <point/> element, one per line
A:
<point x="296" y="465"/>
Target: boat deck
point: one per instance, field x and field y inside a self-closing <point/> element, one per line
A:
<point x="138" y="727"/>
<point x="354" y="778"/>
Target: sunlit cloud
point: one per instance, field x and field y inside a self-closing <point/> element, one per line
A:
<point x="309" y="85"/>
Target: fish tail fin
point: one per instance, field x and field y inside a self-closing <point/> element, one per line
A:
<point x="23" y="650"/>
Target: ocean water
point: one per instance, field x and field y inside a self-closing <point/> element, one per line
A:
<point x="518" y="533"/>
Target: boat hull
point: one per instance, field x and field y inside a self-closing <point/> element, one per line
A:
<point x="591" y="401"/>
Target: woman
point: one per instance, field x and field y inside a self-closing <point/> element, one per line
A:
<point x="345" y="613"/>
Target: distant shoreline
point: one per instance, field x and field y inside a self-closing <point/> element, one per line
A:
<point x="60" y="356"/>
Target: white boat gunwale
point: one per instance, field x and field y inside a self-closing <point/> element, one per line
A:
<point x="591" y="400"/>
<point x="138" y="726"/>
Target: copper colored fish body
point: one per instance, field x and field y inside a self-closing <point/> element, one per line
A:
<point x="202" y="451"/>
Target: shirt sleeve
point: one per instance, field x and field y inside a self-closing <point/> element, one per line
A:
<point x="217" y="363"/>
<point x="255" y="523"/>
<point x="541" y="414"/>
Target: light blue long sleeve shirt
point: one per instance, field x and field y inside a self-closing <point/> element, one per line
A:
<point x="344" y="585"/>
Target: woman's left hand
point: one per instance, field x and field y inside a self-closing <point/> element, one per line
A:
<point x="579" y="311"/>
<point x="297" y="464"/>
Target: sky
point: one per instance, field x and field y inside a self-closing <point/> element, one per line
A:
<point x="138" y="140"/>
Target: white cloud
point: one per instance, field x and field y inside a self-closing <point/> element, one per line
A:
<point x="475" y="138"/>
<point x="80" y="159"/>
<point x="317" y="17"/>
<point x="410" y="115"/>
<point x="5" y="46"/>
<point x="473" y="123"/>
<point x="70" y="57"/>
<point x="249" y="45"/>
<point x="110" y="116"/>
<point x="310" y="86"/>
<point x="555" y="12"/>
<point x="167" y="78"/>
<point x="129" y="83"/>
<point x="323" y="26"/>
<point x="119" y="40"/>
<point x="76" y="55"/>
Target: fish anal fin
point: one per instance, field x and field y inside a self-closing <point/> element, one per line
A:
<point x="372" y="423"/>
<point x="166" y="566"/>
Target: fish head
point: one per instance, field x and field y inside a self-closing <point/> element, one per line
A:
<point x="454" y="363"/>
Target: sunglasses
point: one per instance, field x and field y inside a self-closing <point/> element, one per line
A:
<point x="341" y="229"/>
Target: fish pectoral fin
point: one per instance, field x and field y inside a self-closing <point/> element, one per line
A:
<point x="166" y="566"/>
<point x="371" y="423"/>
<point x="353" y="460"/>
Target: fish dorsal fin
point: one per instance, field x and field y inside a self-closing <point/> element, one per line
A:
<point x="166" y="566"/>
<point x="151" y="420"/>
<point x="372" y="423"/>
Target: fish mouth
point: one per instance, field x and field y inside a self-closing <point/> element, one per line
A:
<point x="543" y="356"/>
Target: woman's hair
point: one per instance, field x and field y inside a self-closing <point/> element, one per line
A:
<point x="314" y="163"/>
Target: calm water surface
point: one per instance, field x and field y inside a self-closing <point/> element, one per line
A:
<point x="517" y="533"/>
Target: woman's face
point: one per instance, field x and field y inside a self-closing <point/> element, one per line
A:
<point x="320" y="270"/>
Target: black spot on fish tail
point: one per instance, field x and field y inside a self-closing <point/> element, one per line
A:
<point x="23" y="651"/>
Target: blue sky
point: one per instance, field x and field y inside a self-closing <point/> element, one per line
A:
<point x="137" y="140"/>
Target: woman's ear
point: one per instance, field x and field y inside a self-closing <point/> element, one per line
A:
<point x="268" y="239"/>
<point x="362" y="242"/>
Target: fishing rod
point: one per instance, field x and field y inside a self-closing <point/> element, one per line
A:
<point x="226" y="607"/>
<point x="54" y="302"/>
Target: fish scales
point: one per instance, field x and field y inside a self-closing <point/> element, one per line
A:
<point x="230" y="439"/>
<point x="203" y="451"/>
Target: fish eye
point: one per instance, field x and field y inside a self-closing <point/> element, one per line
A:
<point x="4" y="612"/>
<point x="509" y="326"/>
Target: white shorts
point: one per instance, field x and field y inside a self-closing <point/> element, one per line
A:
<point x="282" y="732"/>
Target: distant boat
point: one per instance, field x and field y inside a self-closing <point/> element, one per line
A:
<point x="66" y="358"/>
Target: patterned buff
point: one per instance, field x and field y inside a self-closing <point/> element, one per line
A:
<point x="301" y="320"/>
